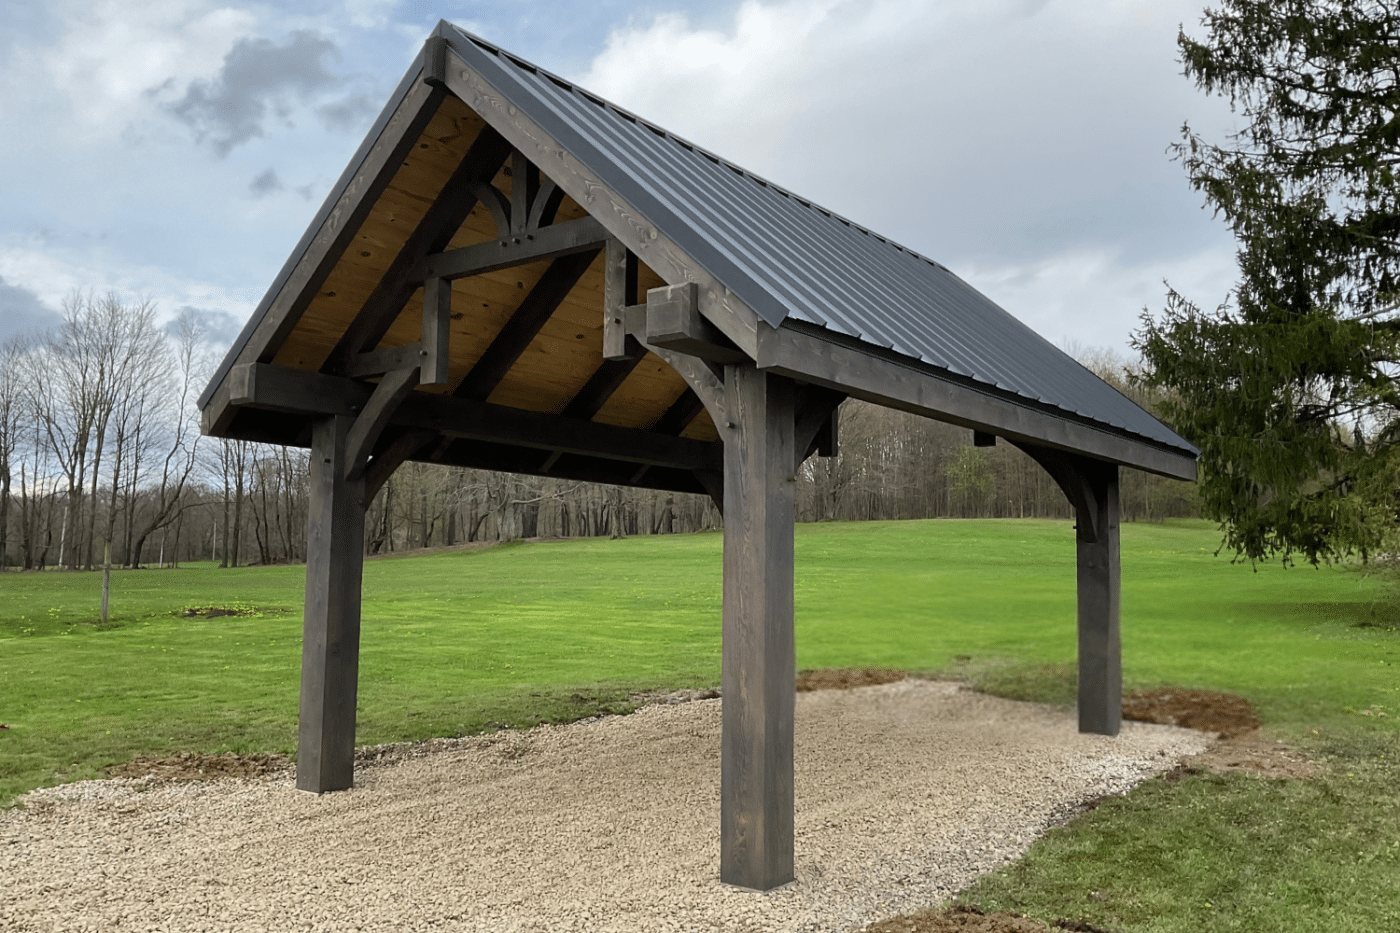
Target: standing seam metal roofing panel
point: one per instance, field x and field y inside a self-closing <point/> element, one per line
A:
<point x="647" y="169"/>
<point x="787" y="258"/>
<point x="661" y="207"/>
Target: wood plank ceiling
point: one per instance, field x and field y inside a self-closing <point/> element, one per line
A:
<point x="513" y="341"/>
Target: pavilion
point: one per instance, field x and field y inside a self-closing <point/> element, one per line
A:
<point x="514" y="274"/>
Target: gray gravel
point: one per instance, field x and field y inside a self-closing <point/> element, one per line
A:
<point x="905" y="793"/>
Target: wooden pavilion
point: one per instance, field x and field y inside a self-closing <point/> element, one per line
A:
<point x="513" y="274"/>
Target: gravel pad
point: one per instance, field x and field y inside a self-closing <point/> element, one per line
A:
<point x="906" y="792"/>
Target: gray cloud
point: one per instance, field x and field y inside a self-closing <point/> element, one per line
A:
<point x="258" y="77"/>
<point x="217" y="328"/>
<point x="265" y="184"/>
<point x="348" y="113"/>
<point x="23" y="312"/>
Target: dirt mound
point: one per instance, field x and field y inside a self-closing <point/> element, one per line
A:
<point x="190" y="766"/>
<point x="1204" y="710"/>
<point x="1241" y="747"/>
<point x="846" y="678"/>
<point x="967" y="918"/>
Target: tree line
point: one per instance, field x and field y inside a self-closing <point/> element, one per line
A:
<point x="101" y="459"/>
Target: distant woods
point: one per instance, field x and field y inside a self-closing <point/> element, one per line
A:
<point x="100" y="445"/>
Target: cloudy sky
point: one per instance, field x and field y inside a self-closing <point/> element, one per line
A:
<point x="176" y="149"/>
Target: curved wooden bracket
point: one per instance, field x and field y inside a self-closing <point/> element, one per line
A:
<point x="703" y="381"/>
<point x="546" y="205"/>
<point x="1075" y="475"/>
<point x="497" y="203"/>
<point x="383" y="464"/>
<point x="816" y="422"/>
<point x="370" y="422"/>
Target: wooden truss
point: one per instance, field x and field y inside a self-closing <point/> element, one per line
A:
<point x="472" y="295"/>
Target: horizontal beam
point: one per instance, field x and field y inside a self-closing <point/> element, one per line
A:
<point x="562" y="239"/>
<point x="388" y="359"/>
<point x="275" y="388"/>
<point x="674" y="321"/>
<point x="479" y="455"/>
<point x="811" y="359"/>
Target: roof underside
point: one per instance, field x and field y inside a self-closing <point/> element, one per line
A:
<point x="528" y="338"/>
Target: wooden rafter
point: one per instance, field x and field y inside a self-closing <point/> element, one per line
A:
<point x="542" y="301"/>
<point x="682" y="412"/>
<point x="450" y="208"/>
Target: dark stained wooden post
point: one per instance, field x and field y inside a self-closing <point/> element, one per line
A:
<point x="1092" y="489"/>
<point x="1100" y="645"/>
<point x="759" y="664"/>
<point x="330" y="649"/>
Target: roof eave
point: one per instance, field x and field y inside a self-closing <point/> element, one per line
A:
<point x="914" y="388"/>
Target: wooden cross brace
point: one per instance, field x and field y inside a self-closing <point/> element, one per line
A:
<point x="404" y="369"/>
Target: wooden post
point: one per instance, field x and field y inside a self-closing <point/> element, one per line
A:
<point x="330" y="650"/>
<point x="1100" y="645"/>
<point x="1092" y="488"/>
<point x="759" y="664"/>
<point x="106" y="576"/>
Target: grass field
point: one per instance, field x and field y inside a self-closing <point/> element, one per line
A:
<point x="461" y="641"/>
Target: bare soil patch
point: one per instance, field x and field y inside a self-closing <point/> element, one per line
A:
<point x="1225" y="714"/>
<point x="846" y="678"/>
<point x="1242" y="746"/>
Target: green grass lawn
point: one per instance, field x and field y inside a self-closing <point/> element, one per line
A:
<point x="456" y="642"/>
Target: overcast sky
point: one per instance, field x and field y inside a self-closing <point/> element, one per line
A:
<point x="177" y="149"/>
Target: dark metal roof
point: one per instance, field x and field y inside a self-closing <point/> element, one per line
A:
<point x="789" y="259"/>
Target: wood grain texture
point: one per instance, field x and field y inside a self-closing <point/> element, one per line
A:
<point x="1091" y="486"/>
<point x="330" y="648"/>
<point x="431" y="233"/>
<point x="758" y="678"/>
<point x="861" y="375"/>
<point x="379" y="236"/>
